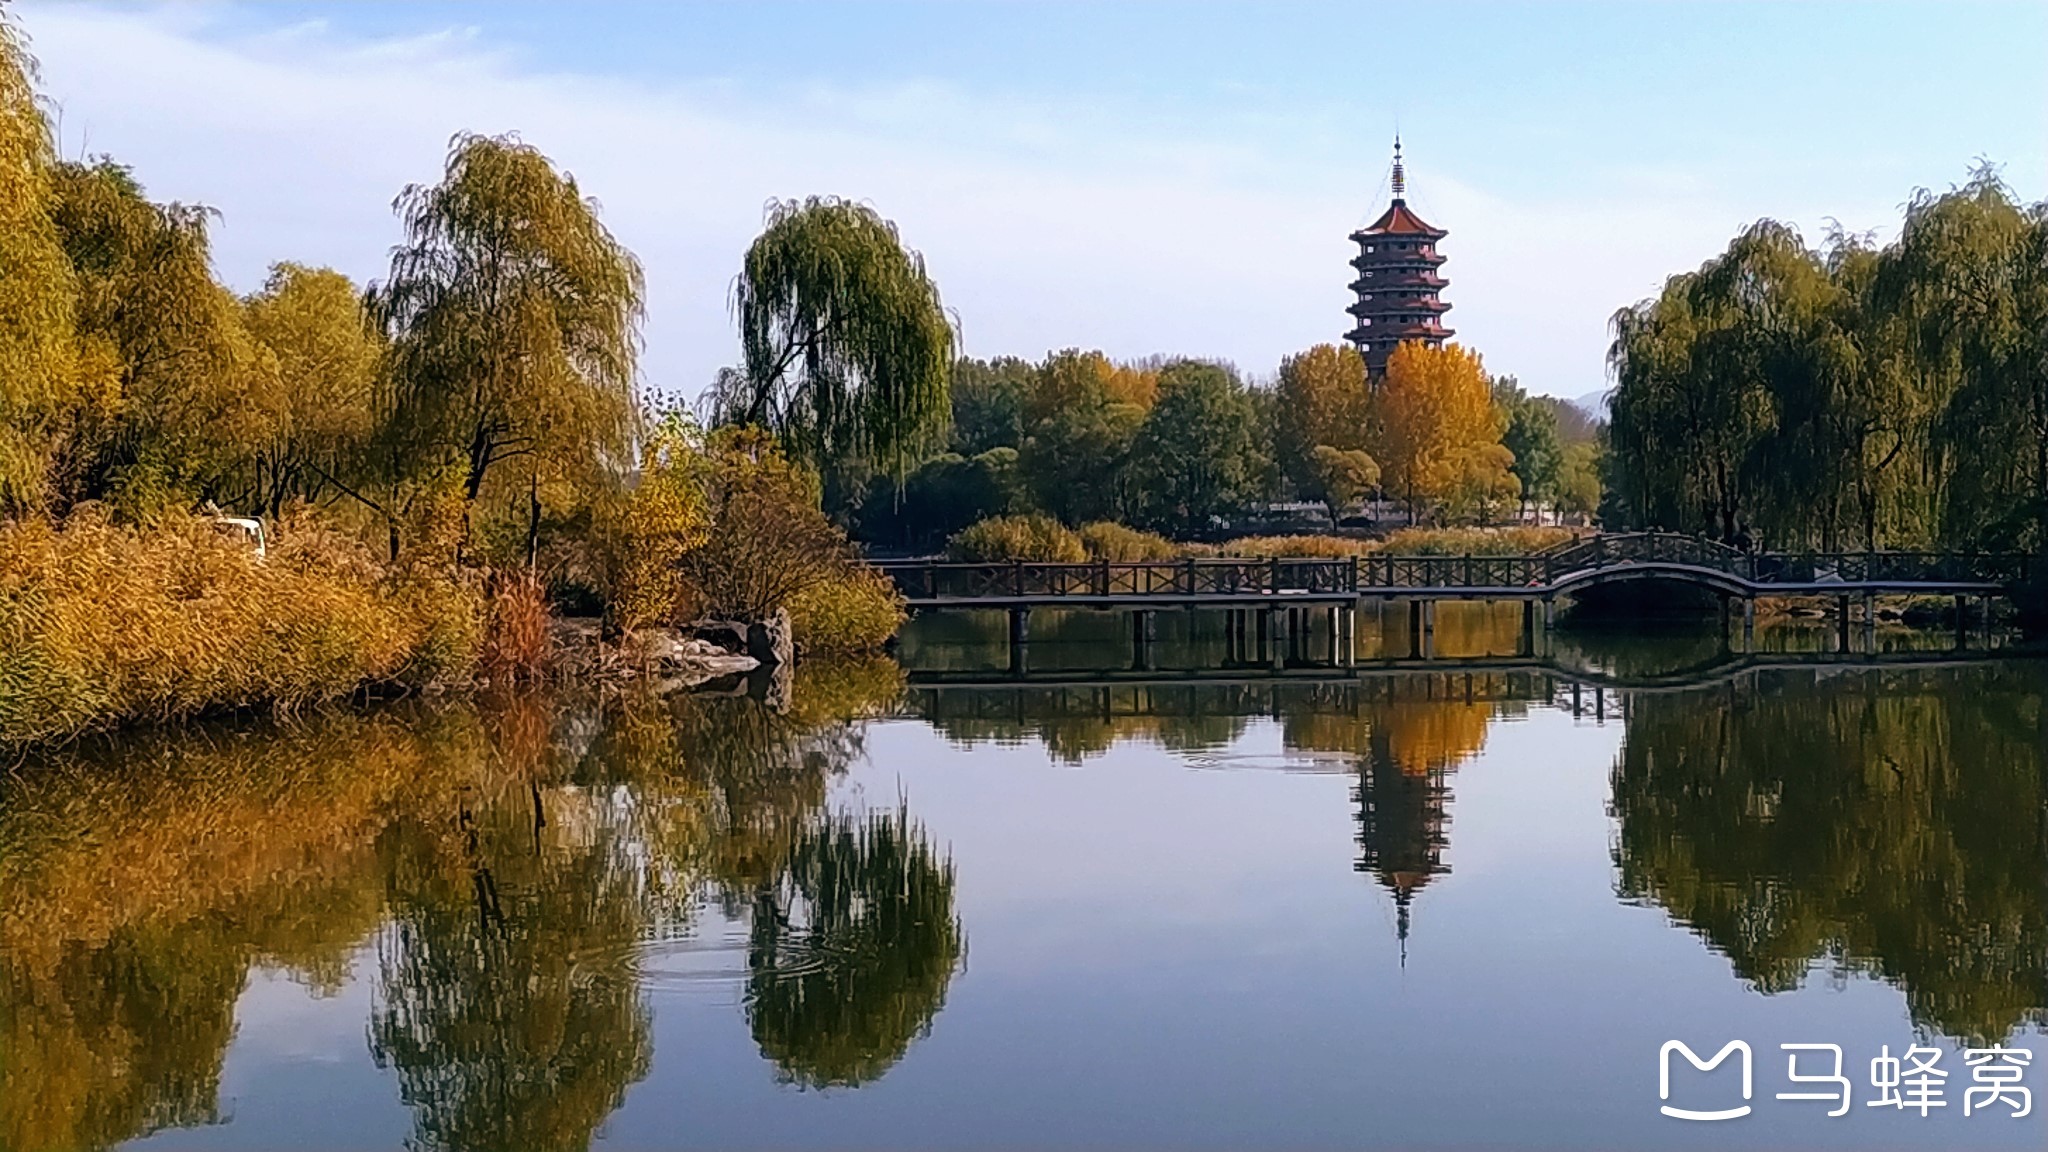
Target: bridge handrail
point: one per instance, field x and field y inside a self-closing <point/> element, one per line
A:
<point x="934" y="579"/>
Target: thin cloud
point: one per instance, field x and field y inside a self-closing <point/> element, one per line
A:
<point x="1046" y="226"/>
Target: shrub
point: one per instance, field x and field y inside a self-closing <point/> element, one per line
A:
<point x="1322" y="547"/>
<point x="853" y="613"/>
<point x="517" y="637"/>
<point x="768" y="540"/>
<point x="104" y="624"/>
<point x="1030" y="538"/>
<point x="1108" y="540"/>
<point x="1519" y="541"/>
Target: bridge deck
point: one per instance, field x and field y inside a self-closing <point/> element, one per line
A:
<point x="1297" y="597"/>
<point x="1276" y="581"/>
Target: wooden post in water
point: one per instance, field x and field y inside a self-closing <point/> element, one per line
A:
<point x="1429" y="629"/>
<point x="1020" y="634"/>
<point x="1962" y="622"/>
<point x="1748" y="624"/>
<point x="1842" y="624"/>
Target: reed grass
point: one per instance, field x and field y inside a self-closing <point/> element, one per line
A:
<point x="105" y="624"/>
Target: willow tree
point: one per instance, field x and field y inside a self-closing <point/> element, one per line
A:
<point x="328" y="356"/>
<point x="852" y="948"/>
<point x="177" y="392"/>
<point x="1968" y="282"/>
<point x="513" y="317"/>
<point x="36" y="363"/>
<point x="847" y="346"/>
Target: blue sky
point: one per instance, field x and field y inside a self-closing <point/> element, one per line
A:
<point x="1145" y="178"/>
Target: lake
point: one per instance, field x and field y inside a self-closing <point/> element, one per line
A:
<point x="923" y="905"/>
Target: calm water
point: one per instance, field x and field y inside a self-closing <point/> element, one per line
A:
<point x="1458" y="909"/>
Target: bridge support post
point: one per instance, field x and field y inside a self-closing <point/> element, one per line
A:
<point x="1528" y="628"/>
<point x="1869" y="624"/>
<point x="1020" y="635"/>
<point x="1962" y="622"/>
<point x="1415" y="629"/>
<point x="1275" y="655"/>
<point x="1142" y="633"/>
<point x="1429" y="629"/>
<point x="1842" y="624"/>
<point x="1336" y="623"/>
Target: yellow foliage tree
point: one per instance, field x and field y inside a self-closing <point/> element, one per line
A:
<point x="1439" y="432"/>
<point x="1323" y="399"/>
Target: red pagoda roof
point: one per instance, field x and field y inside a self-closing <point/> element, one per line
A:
<point x="1397" y="220"/>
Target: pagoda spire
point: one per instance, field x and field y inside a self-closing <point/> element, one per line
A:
<point x="1398" y="279"/>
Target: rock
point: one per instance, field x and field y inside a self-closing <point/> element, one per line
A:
<point x="770" y="642"/>
<point x="727" y="635"/>
<point x="676" y="661"/>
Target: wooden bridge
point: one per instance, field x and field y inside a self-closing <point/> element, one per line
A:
<point x="1235" y="582"/>
<point x="1261" y="590"/>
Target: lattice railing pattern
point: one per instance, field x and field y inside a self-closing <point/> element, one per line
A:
<point x="1229" y="576"/>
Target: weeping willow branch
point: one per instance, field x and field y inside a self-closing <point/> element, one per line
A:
<point x="847" y="345"/>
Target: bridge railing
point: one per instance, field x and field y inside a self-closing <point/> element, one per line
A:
<point x="929" y="580"/>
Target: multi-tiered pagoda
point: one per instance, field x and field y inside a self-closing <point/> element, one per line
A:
<point x="1397" y="281"/>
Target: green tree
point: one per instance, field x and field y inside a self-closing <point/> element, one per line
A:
<point x="847" y="345"/>
<point x="512" y="314"/>
<point x="1343" y="477"/>
<point x="989" y="398"/>
<point x="1968" y="281"/>
<point x="944" y="495"/>
<point x="1196" y="456"/>
<point x="852" y="949"/>
<point x="1532" y="435"/>
<point x="1084" y="415"/>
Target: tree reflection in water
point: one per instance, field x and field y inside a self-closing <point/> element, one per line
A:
<point x="501" y="869"/>
<point x="852" y="947"/>
<point x="508" y="862"/>
<point x="1888" y="823"/>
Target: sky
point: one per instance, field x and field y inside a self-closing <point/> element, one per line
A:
<point x="1143" y="178"/>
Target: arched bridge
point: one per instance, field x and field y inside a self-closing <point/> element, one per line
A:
<point x="1231" y="582"/>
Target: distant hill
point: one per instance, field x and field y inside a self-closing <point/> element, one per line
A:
<point x="1593" y="404"/>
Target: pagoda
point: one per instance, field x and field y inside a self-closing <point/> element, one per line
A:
<point x="1397" y="281"/>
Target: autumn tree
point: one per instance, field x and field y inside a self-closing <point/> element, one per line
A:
<point x="1083" y="413"/>
<point x="38" y="372"/>
<point x="1440" y="434"/>
<point x="177" y="392"/>
<point x="847" y="345"/>
<point x="1322" y="400"/>
<point x="512" y="313"/>
<point x="328" y="355"/>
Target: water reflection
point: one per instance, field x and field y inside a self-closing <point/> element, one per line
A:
<point x="507" y="864"/>
<point x="497" y="875"/>
<point x="1888" y="823"/>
